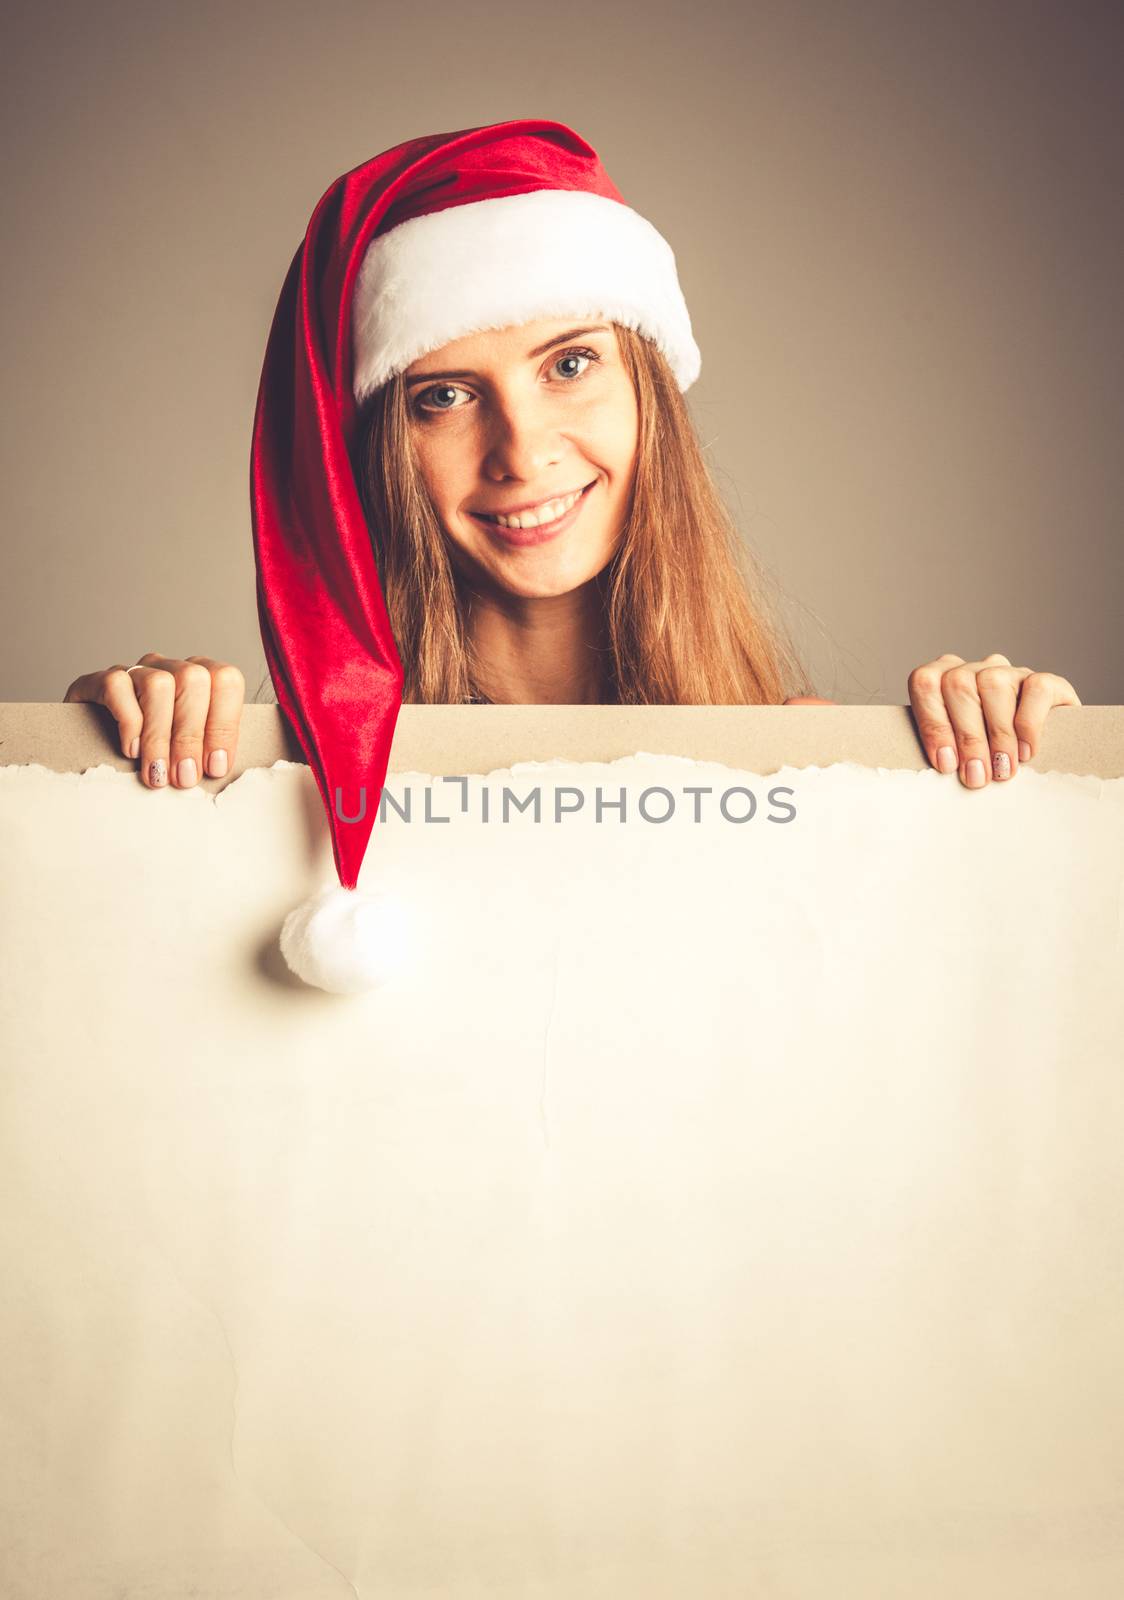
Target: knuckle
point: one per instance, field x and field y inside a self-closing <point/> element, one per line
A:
<point x="156" y="686"/>
<point x="192" y="678"/>
<point x="228" y="677"/>
<point x="922" y="680"/>
<point x="156" y="731"/>
<point x="116" y="678"/>
<point x="993" y="677"/>
<point x="961" y="680"/>
<point x="186" y="729"/>
<point x="934" y="730"/>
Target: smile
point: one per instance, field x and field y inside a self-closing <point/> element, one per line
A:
<point x="528" y="529"/>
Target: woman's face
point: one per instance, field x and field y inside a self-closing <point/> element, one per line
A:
<point x="518" y="416"/>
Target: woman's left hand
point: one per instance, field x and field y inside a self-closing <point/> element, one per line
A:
<point x="982" y="718"/>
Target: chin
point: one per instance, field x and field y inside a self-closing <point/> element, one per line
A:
<point x="552" y="579"/>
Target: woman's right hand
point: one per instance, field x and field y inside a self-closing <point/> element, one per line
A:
<point x="179" y="718"/>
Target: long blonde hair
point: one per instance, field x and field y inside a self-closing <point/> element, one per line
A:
<point x="687" y="617"/>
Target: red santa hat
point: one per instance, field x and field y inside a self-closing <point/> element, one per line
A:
<point x="439" y="237"/>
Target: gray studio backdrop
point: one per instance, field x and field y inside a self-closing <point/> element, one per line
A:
<point x="897" y="226"/>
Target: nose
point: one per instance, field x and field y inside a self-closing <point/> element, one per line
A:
<point x="523" y="443"/>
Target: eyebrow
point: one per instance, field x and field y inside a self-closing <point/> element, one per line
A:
<point x="540" y="350"/>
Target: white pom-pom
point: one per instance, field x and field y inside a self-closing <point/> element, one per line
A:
<point x="346" y="940"/>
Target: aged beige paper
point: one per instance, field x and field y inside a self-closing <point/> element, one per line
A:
<point x="708" y="1207"/>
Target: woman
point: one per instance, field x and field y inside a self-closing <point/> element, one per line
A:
<point x="634" y="589"/>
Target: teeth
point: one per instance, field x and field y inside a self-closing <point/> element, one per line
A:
<point x="547" y="513"/>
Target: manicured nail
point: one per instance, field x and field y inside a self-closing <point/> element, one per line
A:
<point x="158" y="774"/>
<point x="1024" y="750"/>
<point x="1001" y="764"/>
<point x="134" y="748"/>
<point x="946" y="758"/>
<point x="185" y="772"/>
<point x="975" y="774"/>
<point x="216" y="764"/>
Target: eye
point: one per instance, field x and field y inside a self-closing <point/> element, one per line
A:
<point x="437" y="388"/>
<point x="575" y="354"/>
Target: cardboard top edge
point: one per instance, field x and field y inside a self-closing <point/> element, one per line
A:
<point x="1087" y="740"/>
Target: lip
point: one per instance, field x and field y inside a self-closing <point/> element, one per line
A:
<point x="531" y="536"/>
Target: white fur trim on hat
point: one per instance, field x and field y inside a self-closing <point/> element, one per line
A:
<point x="512" y="259"/>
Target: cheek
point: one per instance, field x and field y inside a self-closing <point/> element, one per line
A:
<point x="621" y="456"/>
<point x="434" y="469"/>
<point x="610" y="436"/>
<point x="443" y="452"/>
<point x="625" y="432"/>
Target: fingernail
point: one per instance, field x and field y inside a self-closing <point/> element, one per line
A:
<point x="1001" y="764"/>
<point x="157" y="774"/>
<point x="946" y="758"/>
<point x="134" y="748"/>
<point x="1024" y="750"/>
<point x="216" y="764"/>
<point x="185" y="772"/>
<point x="975" y="774"/>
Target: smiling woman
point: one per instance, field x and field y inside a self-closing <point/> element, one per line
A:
<point x="547" y="530"/>
<point x="474" y="476"/>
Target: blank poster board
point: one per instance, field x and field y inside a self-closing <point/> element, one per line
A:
<point x="725" y="1198"/>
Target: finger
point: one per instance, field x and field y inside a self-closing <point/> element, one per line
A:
<point x="189" y="718"/>
<point x="220" y="735"/>
<point x="156" y="694"/>
<point x="113" y="689"/>
<point x="120" y="698"/>
<point x="80" y="689"/>
<point x="930" y="713"/>
<point x="965" y="713"/>
<point x="998" y="690"/>
<point x="1039" y="693"/>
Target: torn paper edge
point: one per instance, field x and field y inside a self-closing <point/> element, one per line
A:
<point x="104" y="772"/>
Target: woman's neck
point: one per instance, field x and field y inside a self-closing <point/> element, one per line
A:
<point x="551" y="651"/>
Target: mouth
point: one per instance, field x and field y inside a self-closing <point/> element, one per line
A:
<point x="539" y="534"/>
